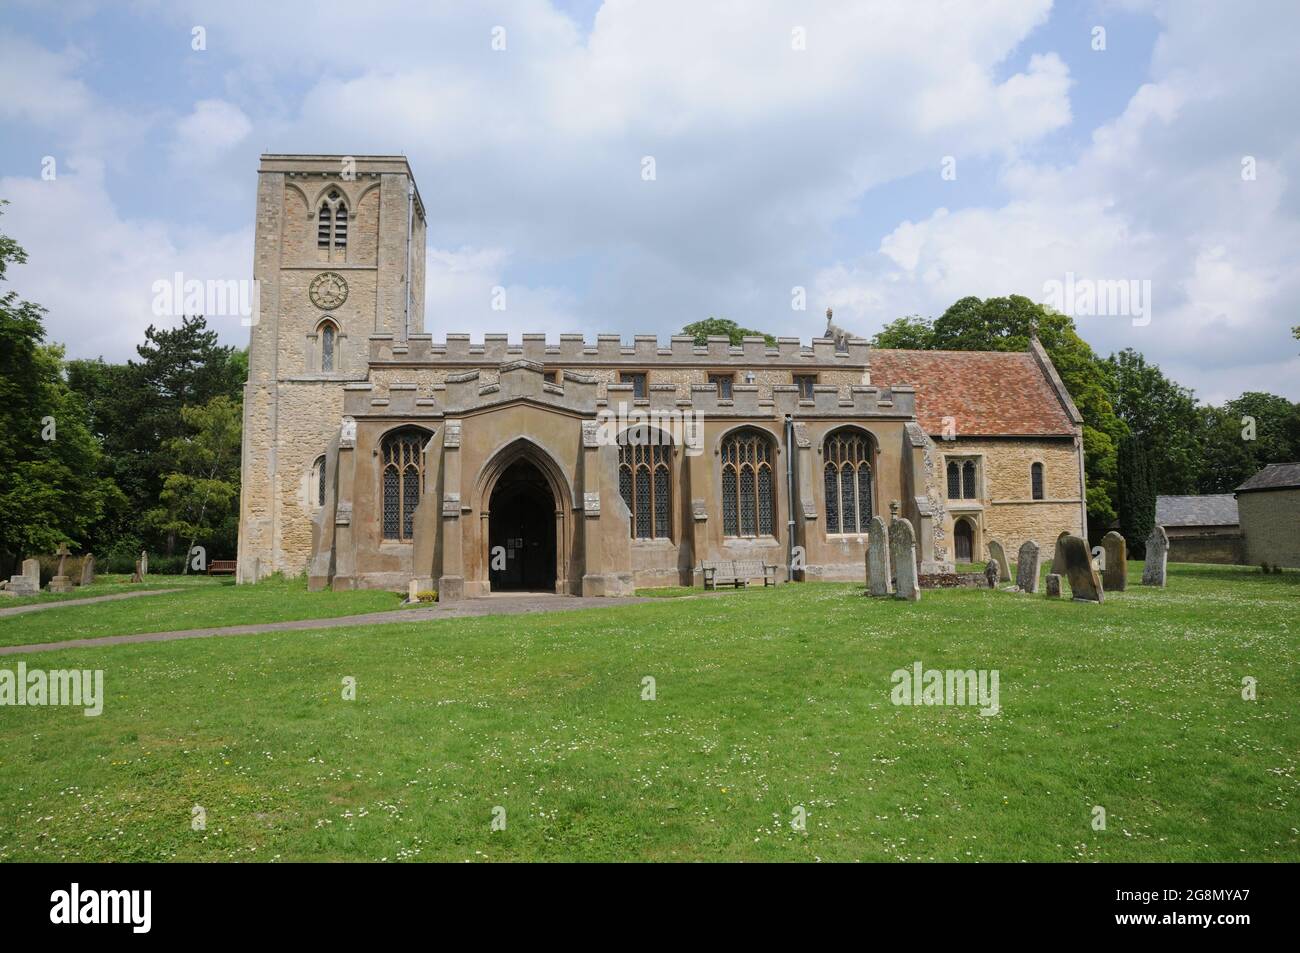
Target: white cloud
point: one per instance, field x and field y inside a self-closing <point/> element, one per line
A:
<point x="206" y="135"/>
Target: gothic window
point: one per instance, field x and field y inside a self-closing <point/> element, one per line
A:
<point x="403" y="469"/>
<point x="847" y="471"/>
<point x="328" y="345"/>
<point x="1036" y="480"/>
<point x="748" y="497"/>
<point x="961" y="480"/>
<point x="644" y="480"/>
<point x="332" y="222"/>
<point x="318" y="471"/>
<point x="968" y="479"/>
<point x="723" y="383"/>
<point x="954" y="480"/>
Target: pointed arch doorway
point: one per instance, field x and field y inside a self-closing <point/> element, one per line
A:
<point x="521" y="531"/>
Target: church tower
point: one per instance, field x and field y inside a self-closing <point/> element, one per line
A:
<point x="338" y="256"/>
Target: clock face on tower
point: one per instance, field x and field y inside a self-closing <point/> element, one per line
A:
<point x="328" y="290"/>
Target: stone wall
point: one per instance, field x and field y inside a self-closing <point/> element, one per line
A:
<point x="1270" y="520"/>
<point x="1208" y="547"/>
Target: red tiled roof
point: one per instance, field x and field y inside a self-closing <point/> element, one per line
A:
<point x="990" y="393"/>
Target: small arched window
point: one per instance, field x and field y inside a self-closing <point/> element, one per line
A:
<point x="318" y="484"/>
<point x="1036" y="480"/>
<point x="645" y="482"/>
<point x="847" y="473"/>
<point x="402" y="478"/>
<point x="968" y="479"/>
<point x="332" y="221"/>
<point x="748" y="487"/>
<point x="329" y="333"/>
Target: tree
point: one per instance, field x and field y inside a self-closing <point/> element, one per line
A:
<point x="912" y="333"/>
<point x="1162" y="414"/>
<point x="1243" y="435"/>
<point x="201" y="489"/>
<point x="711" y="326"/>
<point x="51" y="490"/>
<point x="1137" y="494"/>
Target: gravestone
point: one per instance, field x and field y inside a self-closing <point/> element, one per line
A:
<point x="88" y="570"/>
<point x="902" y="553"/>
<point x="1058" y="556"/>
<point x="1085" y="583"/>
<point x="991" y="573"/>
<point x="877" y="558"/>
<point x="1153" y="571"/>
<point x="999" y="555"/>
<point x="412" y="594"/>
<point x="1115" y="576"/>
<point x="137" y="576"/>
<point x="143" y="568"/>
<point x="61" y="582"/>
<point x="1027" y="567"/>
<point x="1053" y="586"/>
<point x="28" y="582"/>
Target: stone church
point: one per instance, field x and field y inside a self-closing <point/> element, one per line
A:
<point x="376" y="453"/>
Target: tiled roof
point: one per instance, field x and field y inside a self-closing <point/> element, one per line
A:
<point x="1275" y="476"/>
<point x="989" y="393"/>
<point x="1213" y="509"/>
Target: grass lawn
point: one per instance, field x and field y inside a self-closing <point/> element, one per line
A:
<point x="767" y="700"/>
<point x="199" y="603"/>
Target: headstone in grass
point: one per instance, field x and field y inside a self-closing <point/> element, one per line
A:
<point x="992" y="573"/>
<point x="144" y="564"/>
<point x="902" y="553"/>
<point x="1053" y="586"/>
<point x="61" y="582"/>
<point x="999" y="555"/>
<point x="1115" y="575"/>
<point x="1027" y="567"/>
<point x="88" y="570"/>
<point x="1153" y="571"/>
<point x="878" y="558"/>
<point x="1085" y="583"/>
<point x="1058" y="556"/>
<point x="28" y="582"/>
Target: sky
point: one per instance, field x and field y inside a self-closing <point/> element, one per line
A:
<point x="881" y="158"/>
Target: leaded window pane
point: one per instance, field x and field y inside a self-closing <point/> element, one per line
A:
<point x="320" y="482"/>
<point x="849" y="499"/>
<point x="864" y="497"/>
<point x="327" y="348"/>
<point x="748" y="515"/>
<point x="643" y="502"/>
<point x="765" y="501"/>
<point x="954" y="481"/>
<point x="661" y="502"/>
<point x="391" y="487"/>
<point x="1036" y="478"/>
<point x="625" y="490"/>
<point x="968" y="480"/>
<point x="832" y="499"/>
<point x="730" y="526"/>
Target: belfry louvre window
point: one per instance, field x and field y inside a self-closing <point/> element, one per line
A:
<point x="847" y="473"/>
<point x="1036" y="480"/>
<point x="403" y="475"/>
<point x="748" y="488"/>
<point x="644" y="480"/>
<point x="332" y="222"/>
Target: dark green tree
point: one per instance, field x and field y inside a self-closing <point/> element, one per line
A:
<point x="1162" y="414"/>
<point x="1241" y="437"/>
<point x="714" y="327"/>
<point x="1137" y="494"/>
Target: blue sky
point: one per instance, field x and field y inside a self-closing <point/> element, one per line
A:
<point x="777" y="167"/>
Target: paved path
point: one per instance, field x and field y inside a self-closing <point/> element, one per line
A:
<point x="60" y="603"/>
<point x="493" y="605"/>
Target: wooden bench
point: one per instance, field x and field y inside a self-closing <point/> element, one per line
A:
<point x="737" y="572"/>
<point x="223" y="567"/>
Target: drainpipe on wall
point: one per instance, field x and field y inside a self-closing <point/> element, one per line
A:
<point x="410" y="214"/>
<point x="789" y="490"/>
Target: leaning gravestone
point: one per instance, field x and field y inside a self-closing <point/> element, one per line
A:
<point x="877" y="558"/>
<point x="1085" y="584"/>
<point x="88" y="570"/>
<point x="61" y="582"/>
<point x="1153" y="571"/>
<point x="1027" y="567"/>
<point x="1115" y="574"/>
<point x="1053" y="586"/>
<point x="1058" y="556"/>
<point x="902" y="553"/>
<point x="1000" y="557"/>
<point x="991" y="573"/>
